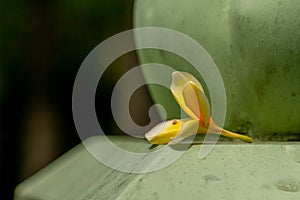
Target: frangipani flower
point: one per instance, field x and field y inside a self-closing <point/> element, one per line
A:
<point x="190" y="96"/>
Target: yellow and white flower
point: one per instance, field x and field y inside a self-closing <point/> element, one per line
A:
<point x="190" y="96"/>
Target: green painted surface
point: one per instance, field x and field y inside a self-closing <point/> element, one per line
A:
<point x="255" y="45"/>
<point x="231" y="171"/>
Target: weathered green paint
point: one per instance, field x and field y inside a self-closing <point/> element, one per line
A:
<point x="255" y="45"/>
<point x="231" y="171"/>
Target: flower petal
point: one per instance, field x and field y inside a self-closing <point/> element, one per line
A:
<point x="164" y="131"/>
<point x="189" y="94"/>
<point x="197" y="102"/>
<point x="189" y="128"/>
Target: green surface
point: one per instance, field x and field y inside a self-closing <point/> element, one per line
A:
<point x="255" y="45"/>
<point x="231" y="171"/>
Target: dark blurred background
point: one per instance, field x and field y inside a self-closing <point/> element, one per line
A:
<point x="43" y="44"/>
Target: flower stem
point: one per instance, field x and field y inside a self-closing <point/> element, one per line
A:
<point x="236" y="135"/>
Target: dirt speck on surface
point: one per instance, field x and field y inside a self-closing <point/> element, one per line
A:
<point x="288" y="185"/>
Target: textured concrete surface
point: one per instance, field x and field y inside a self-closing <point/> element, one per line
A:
<point x="231" y="171"/>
